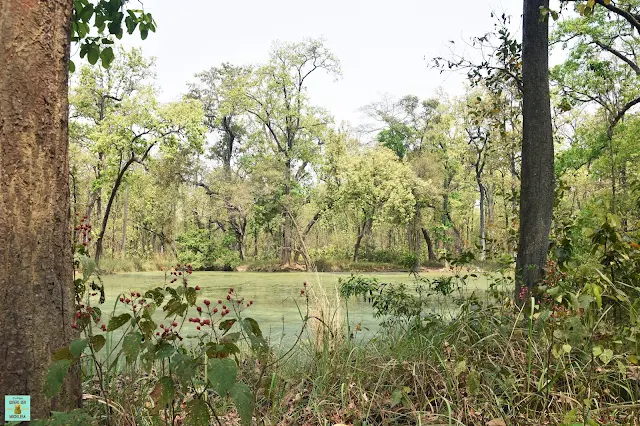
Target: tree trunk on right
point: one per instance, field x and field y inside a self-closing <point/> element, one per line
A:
<point x="537" y="176"/>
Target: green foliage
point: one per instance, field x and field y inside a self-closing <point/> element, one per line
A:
<point x="105" y="18"/>
<point x="202" y="250"/>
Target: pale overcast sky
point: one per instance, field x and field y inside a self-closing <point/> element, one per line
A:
<point x="384" y="46"/>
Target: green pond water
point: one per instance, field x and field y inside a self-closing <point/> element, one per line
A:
<point x="276" y="297"/>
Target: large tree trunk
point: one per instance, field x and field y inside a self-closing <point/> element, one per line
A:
<point x="537" y="179"/>
<point x="36" y="268"/>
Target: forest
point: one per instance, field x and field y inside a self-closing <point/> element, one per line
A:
<point x="239" y="256"/>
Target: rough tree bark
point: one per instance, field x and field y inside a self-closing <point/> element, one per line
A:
<point x="36" y="268"/>
<point x="537" y="179"/>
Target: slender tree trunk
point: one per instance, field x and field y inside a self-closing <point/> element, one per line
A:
<point x="255" y="242"/>
<point x="366" y="226"/>
<point x="537" y="178"/>
<point x="483" y="230"/>
<point x="123" y="246"/>
<point x="287" y="231"/>
<point x="427" y="238"/>
<point x="36" y="269"/>
<point x="107" y="211"/>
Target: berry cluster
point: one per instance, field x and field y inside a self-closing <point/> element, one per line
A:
<point x="234" y="301"/>
<point x="83" y="317"/>
<point x="303" y="291"/>
<point x="172" y="330"/>
<point x="182" y="271"/>
<point x="136" y="301"/>
<point x="85" y="227"/>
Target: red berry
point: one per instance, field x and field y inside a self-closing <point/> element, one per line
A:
<point x="206" y="322"/>
<point x="157" y="333"/>
<point x="219" y="301"/>
<point x="215" y="310"/>
<point x="161" y="325"/>
<point x="224" y="307"/>
<point x="199" y="309"/>
<point x="228" y="297"/>
<point x="301" y="292"/>
<point x="230" y="290"/>
<point x="197" y="287"/>
<point x="198" y="327"/>
<point x="122" y="299"/>
<point x="127" y="300"/>
<point x="304" y="283"/>
<point x="175" y="324"/>
<point x="207" y="302"/>
<point x="251" y="302"/>
<point x="74" y="326"/>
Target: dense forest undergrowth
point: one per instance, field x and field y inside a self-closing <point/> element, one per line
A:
<point x="568" y="356"/>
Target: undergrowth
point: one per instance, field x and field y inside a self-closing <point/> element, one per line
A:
<point x="564" y="354"/>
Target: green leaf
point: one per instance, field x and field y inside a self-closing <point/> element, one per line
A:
<point x="93" y="54"/>
<point x="63" y="353"/>
<point x="460" y="367"/>
<point x="55" y="376"/>
<point x="396" y="397"/>
<point x="164" y="350"/>
<point x="174" y="307"/>
<point x="86" y="13"/>
<point x="197" y="413"/>
<point x="184" y="367"/>
<point x="97" y="342"/>
<point x="243" y="400"/>
<point x="596" y="351"/>
<point x="107" y="56"/>
<point x="72" y="67"/>
<point x="230" y="338"/>
<point x="251" y="325"/>
<point x="149" y="310"/>
<point x="78" y="346"/>
<point x="131" y="346"/>
<point x="606" y="356"/>
<point x="163" y="392"/>
<point x="566" y="348"/>
<point x="191" y="296"/>
<point x="147" y="327"/>
<point x="117" y="322"/>
<point x="226" y="325"/>
<point x="222" y="374"/>
<point x="473" y="383"/>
